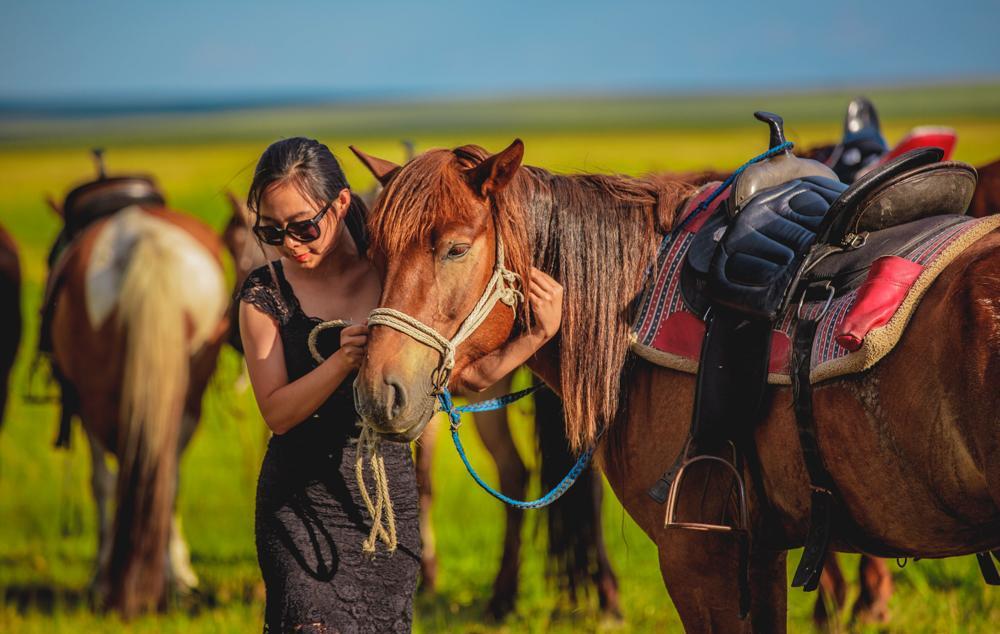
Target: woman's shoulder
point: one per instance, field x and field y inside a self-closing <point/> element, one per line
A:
<point x="260" y="289"/>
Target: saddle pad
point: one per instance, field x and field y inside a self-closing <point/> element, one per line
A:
<point x="859" y="329"/>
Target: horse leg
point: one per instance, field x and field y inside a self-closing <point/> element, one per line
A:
<point x="875" y="579"/>
<point x="701" y="572"/>
<point x="604" y="578"/>
<point x="180" y="575"/>
<point x="832" y="591"/>
<point x="425" y="491"/>
<point x="102" y="483"/>
<point x="495" y="433"/>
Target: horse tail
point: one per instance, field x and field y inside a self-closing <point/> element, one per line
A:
<point x="155" y="333"/>
<point x="574" y="519"/>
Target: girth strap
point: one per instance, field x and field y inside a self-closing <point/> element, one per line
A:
<point x="811" y="565"/>
<point x="988" y="568"/>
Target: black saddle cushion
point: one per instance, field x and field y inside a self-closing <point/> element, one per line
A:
<point x="759" y="256"/>
<point x="99" y="198"/>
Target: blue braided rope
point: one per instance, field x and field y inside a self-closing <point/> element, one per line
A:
<point x="455" y="415"/>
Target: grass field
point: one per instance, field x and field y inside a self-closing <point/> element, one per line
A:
<point x="47" y="525"/>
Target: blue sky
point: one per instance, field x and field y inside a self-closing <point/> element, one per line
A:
<point x="184" y="48"/>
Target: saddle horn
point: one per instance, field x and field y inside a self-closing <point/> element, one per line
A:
<point x="777" y="126"/>
<point x="98" y="153"/>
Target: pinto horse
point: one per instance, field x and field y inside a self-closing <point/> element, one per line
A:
<point x="140" y="315"/>
<point x="577" y="552"/>
<point x="10" y="313"/>
<point x="912" y="444"/>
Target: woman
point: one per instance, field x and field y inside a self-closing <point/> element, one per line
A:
<point x="310" y="516"/>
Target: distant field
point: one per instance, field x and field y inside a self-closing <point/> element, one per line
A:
<point x="46" y="515"/>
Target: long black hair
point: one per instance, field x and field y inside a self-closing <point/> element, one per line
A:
<point x="314" y="171"/>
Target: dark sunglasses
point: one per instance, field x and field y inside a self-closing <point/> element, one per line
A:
<point x="302" y="230"/>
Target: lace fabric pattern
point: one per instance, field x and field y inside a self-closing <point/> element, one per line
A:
<point x="310" y="518"/>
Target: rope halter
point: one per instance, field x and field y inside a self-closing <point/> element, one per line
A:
<point x="502" y="287"/>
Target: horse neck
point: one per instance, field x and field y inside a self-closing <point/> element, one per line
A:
<point x="596" y="235"/>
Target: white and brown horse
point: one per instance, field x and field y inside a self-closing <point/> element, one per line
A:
<point x="912" y="444"/>
<point x="140" y="315"/>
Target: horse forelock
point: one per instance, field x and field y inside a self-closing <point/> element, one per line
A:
<point x="427" y="192"/>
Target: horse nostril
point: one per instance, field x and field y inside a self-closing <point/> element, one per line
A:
<point x="395" y="398"/>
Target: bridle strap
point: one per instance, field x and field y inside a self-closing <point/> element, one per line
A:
<point x="502" y="287"/>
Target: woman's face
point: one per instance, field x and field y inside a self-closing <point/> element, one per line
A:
<point x="283" y="203"/>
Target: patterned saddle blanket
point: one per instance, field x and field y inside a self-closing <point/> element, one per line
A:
<point x="859" y="328"/>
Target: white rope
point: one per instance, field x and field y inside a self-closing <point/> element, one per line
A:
<point x="380" y="510"/>
<point x="502" y="287"/>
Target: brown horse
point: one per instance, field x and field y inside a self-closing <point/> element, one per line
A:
<point x="138" y="322"/>
<point x="578" y="555"/>
<point x="922" y="424"/>
<point x="874" y="575"/>
<point x="986" y="199"/>
<point x="10" y="312"/>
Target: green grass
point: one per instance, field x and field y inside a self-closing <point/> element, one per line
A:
<point x="47" y="524"/>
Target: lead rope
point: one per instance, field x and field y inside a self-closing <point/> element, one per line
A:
<point x="383" y="517"/>
<point x="369" y="444"/>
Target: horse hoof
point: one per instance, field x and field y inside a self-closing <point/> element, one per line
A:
<point x="499" y="607"/>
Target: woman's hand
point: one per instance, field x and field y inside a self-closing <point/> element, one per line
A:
<point x="546" y="297"/>
<point x="353" y="340"/>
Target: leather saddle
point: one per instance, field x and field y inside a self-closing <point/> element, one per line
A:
<point x="790" y="231"/>
<point x="104" y="196"/>
<point x="812" y="227"/>
<point x="862" y="143"/>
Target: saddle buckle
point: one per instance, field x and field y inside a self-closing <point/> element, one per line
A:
<point x="854" y="241"/>
<point x="743" y="517"/>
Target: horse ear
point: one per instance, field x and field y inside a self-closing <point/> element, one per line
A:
<point x="239" y="208"/>
<point x="494" y="173"/>
<point x="381" y="169"/>
<point x="53" y="205"/>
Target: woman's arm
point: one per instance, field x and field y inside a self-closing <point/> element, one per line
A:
<point x="546" y="296"/>
<point x="282" y="404"/>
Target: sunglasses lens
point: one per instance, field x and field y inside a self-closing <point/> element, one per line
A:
<point x="304" y="231"/>
<point x="270" y="235"/>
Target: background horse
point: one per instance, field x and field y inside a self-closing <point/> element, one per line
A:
<point x="578" y="557"/>
<point x="912" y="444"/>
<point x="139" y="319"/>
<point x="10" y="312"/>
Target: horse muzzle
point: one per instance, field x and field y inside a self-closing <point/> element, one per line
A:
<point x="396" y="410"/>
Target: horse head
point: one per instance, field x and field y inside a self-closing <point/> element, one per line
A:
<point x="452" y="258"/>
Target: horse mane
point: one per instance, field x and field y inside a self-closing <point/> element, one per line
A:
<point x="596" y="234"/>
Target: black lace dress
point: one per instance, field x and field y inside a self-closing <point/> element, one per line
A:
<point x="310" y="518"/>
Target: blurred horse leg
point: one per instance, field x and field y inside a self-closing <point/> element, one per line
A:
<point x="102" y="483"/>
<point x="424" y="462"/>
<point x="181" y="577"/>
<point x="604" y="578"/>
<point x="495" y="433"/>
<point x="875" y="579"/>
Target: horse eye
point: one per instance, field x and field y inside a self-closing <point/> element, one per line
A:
<point x="457" y="250"/>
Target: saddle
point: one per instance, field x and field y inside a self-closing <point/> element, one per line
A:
<point x="862" y="144"/>
<point x="791" y="232"/>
